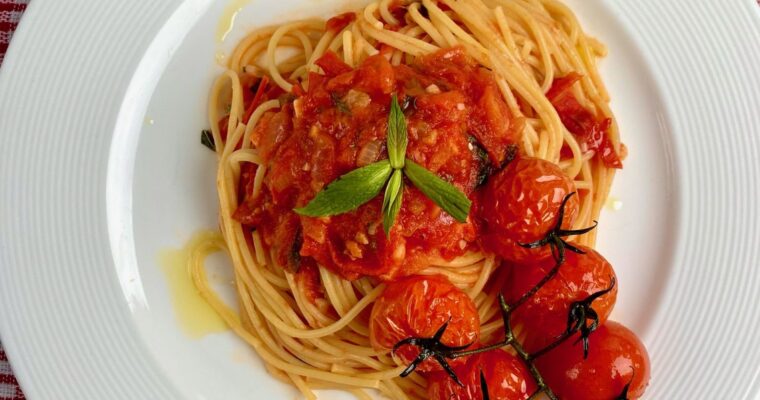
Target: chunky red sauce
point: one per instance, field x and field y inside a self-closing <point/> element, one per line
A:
<point x="591" y="131"/>
<point x="338" y="124"/>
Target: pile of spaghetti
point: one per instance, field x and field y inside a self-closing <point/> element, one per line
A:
<point x="500" y="99"/>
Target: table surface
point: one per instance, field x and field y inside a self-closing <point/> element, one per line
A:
<point x="10" y="14"/>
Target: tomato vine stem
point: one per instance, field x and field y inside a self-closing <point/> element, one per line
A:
<point x="579" y="315"/>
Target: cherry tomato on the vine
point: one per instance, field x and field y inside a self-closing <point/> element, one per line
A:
<point x="417" y="306"/>
<point x="616" y="358"/>
<point x="544" y="316"/>
<point x="506" y="378"/>
<point x="521" y="205"/>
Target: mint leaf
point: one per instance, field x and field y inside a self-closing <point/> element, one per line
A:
<point x="397" y="139"/>
<point x="349" y="191"/>
<point x="444" y="194"/>
<point x="394" y="194"/>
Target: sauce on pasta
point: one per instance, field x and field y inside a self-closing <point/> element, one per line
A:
<point x="501" y="102"/>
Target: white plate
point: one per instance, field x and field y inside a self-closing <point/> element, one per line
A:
<point x="101" y="104"/>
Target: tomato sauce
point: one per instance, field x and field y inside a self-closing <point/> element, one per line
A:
<point x="338" y="123"/>
<point x="591" y="131"/>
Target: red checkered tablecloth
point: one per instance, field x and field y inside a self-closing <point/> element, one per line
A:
<point x="10" y="13"/>
<point x="9" y="389"/>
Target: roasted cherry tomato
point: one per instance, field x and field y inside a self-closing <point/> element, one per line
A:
<point x="506" y="378"/>
<point x="418" y="306"/>
<point x="544" y="316"/>
<point x="616" y="358"/>
<point x="521" y="205"/>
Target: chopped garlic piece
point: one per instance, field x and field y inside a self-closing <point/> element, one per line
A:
<point x="433" y="89"/>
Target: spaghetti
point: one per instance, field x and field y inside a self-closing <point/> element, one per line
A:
<point x="315" y="342"/>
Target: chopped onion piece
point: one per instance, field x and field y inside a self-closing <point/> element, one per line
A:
<point x="368" y="153"/>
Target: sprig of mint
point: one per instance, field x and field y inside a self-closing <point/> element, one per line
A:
<point x="396" y="139"/>
<point x="394" y="194"/>
<point x="349" y="191"/>
<point x="359" y="186"/>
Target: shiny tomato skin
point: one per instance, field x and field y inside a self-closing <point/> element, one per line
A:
<point x="544" y="316"/>
<point x="506" y="376"/>
<point x="616" y="357"/>
<point x="417" y="306"/>
<point x="521" y="205"/>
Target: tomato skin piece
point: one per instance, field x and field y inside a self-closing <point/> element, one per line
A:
<point x="506" y="376"/>
<point x="492" y="124"/>
<point x="247" y="176"/>
<point x="338" y="22"/>
<point x="374" y="76"/>
<point x="521" y="205"/>
<point x="592" y="131"/>
<point x="616" y="357"/>
<point x="308" y="281"/>
<point x="544" y="316"/>
<point x="451" y="66"/>
<point x="332" y="64"/>
<point x="417" y="306"/>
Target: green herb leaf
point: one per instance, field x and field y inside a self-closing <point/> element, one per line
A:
<point x="485" y="168"/>
<point x="397" y="138"/>
<point x="444" y="194"/>
<point x="349" y="191"/>
<point x="394" y="194"/>
<point x="207" y="139"/>
<point x="339" y="103"/>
